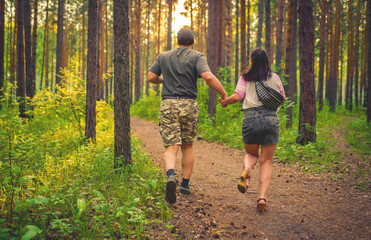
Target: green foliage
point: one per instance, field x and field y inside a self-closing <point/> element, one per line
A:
<point x="55" y="184"/>
<point x="148" y="106"/>
<point x="323" y="155"/>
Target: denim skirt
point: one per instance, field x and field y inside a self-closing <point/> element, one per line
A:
<point x="260" y="126"/>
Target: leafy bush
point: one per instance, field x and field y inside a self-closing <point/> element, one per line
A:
<point x="55" y="184"/>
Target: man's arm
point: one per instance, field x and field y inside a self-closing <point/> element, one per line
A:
<point x="154" y="78"/>
<point x="214" y="83"/>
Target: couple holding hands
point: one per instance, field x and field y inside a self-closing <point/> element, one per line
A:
<point x="178" y="116"/>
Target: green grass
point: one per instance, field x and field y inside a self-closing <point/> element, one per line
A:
<point x="55" y="184"/>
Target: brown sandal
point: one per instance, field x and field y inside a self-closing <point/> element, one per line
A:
<point x="262" y="206"/>
<point x="242" y="187"/>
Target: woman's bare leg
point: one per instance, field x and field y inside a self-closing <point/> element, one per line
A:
<point x="266" y="157"/>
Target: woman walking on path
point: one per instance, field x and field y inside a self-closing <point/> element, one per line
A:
<point x="260" y="127"/>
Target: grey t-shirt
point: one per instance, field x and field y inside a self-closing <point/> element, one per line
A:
<point x="180" y="68"/>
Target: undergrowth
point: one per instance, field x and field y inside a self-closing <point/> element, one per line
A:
<point x="322" y="155"/>
<point x="56" y="185"/>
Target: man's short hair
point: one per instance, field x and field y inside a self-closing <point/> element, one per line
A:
<point x="185" y="36"/>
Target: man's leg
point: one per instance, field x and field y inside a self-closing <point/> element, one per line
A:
<point x="188" y="160"/>
<point x="170" y="156"/>
<point x="170" y="160"/>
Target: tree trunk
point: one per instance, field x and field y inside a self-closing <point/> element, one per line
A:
<point x="99" y="25"/>
<point x="230" y="32"/>
<point x="279" y="37"/>
<point x="91" y="81"/>
<point x="307" y="109"/>
<point x="290" y="61"/>
<point x="13" y="55"/>
<point x="148" y="42"/>
<point x="334" y="69"/>
<point x="260" y="23"/>
<point x="137" y="50"/>
<point x="221" y="49"/>
<point x="237" y="59"/>
<point x="122" y="96"/>
<point x="340" y="95"/>
<point x="356" y="54"/>
<point x="329" y="48"/>
<point x="268" y="47"/>
<point x="169" y="20"/>
<point x="107" y="54"/>
<point x="21" y="85"/>
<point x="243" y="36"/>
<point x="322" y="45"/>
<point x="34" y="43"/>
<point x="59" y="47"/>
<point x="212" y="58"/>
<point x="363" y="69"/>
<point x="368" y="61"/>
<point x="28" y="47"/>
<point x="83" y="68"/>
<point x="2" y="21"/>
<point x="45" y="50"/>
<point x="349" y="87"/>
<point x="248" y="34"/>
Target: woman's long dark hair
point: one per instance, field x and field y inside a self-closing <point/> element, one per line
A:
<point x="259" y="69"/>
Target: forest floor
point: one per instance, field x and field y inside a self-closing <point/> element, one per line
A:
<point x="301" y="205"/>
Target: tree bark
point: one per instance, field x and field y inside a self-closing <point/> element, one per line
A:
<point x="229" y="47"/>
<point x="322" y="45"/>
<point x="243" y="36"/>
<point x="28" y="47"/>
<point x="148" y="42"/>
<point x="356" y="55"/>
<point x="260" y="23"/>
<point x="169" y="21"/>
<point x="91" y="81"/>
<point x="59" y="47"/>
<point x="121" y="73"/>
<point x="349" y="86"/>
<point x="2" y="21"/>
<point x="34" y="44"/>
<point x="329" y="48"/>
<point x="291" y="56"/>
<point x="221" y="48"/>
<point x="212" y="53"/>
<point x="83" y="68"/>
<point x="268" y="47"/>
<point x="307" y="108"/>
<point x="368" y="61"/>
<point x="137" y="51"/>
<point x="279" y="38"/>
<point x="237" y="59"/>
<point x="248" y="34"/>
<point x="334" y="69"/>
<point x="21" y="85"/>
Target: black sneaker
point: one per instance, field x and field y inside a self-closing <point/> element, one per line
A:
<point x="170" y="190"/>
<point x="184" y="191"/>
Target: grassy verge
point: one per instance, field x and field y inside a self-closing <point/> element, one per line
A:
<point x="54" y="184"/>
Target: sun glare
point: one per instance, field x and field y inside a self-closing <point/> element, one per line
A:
<point x="179" y="20"/>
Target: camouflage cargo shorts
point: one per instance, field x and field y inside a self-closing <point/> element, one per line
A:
<point x="178" y="121"/>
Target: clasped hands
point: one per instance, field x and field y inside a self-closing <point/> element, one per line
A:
<point x="223" y="101"/>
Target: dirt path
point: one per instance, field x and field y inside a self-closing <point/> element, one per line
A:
<point x="301" y="206"/>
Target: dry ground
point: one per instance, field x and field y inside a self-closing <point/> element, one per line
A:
<point x="301" y="206"/>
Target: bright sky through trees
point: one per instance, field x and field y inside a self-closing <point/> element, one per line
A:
<point x="179" y="20"/>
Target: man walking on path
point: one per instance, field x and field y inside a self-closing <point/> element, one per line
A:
<point x="178" y="116"/>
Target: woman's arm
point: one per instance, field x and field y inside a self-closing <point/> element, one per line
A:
<point x="230" y="100"/>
